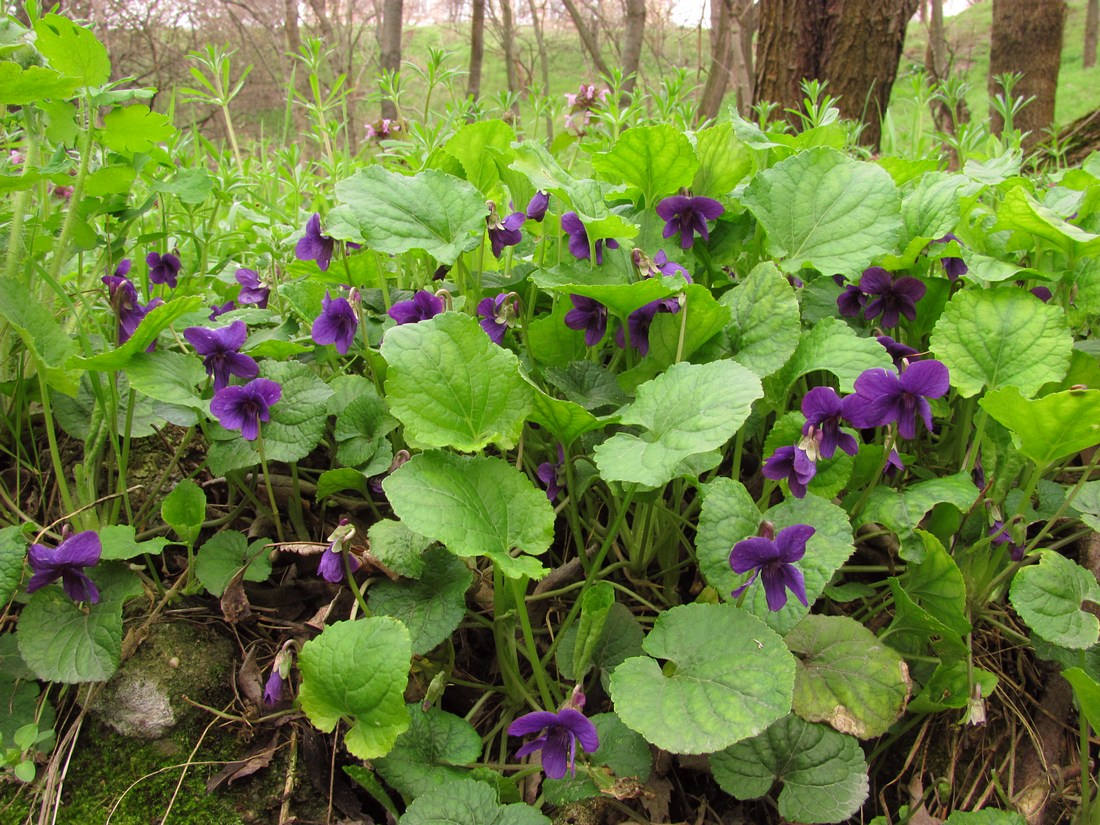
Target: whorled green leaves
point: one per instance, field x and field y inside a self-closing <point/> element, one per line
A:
<point x="475" y="507"/>
<point x="689" y="411"/>
<point x="451" y="386"/>
<point x="823" y="210"/>
<point x="727" y="677"/>
<point x="357" y="672"/>
<point x="823" y="772"/>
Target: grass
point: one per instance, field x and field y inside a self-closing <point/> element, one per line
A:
<point x="968" y="45"/>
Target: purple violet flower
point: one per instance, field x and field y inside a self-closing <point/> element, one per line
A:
<point x="124" y="300"/>
<point x="336" y="324"/>
<point x="898" y="351"/>
<point x="552" y="475"/>
<point x="851" y="301"/>
<point x="273" y="690"/>
<point x="559" y="743"/>
<point x="953" y="267"/>
<point x="640" y="320"/>
<point x="537" y="206"/>
<point x="243" y="408"/>
<point x="498" y="314"/>
<point x="422" y="306"/>
<point x="659" y="265"/>
<point x="792" y="464"/>
<point x="314" y="246"/>
<point x="572" y="225"/>
<point x="331" y="568"/>
<point x="163" y="269"/>
<point x="217" y="311"/>
<point x="883" y="397"/>
<point x="252" y="290"/>
<point x="824" y="409"/>
<point x="67" y="562"/>
<point x="1042" y="293"/>
<point x="504" y="232"/>
<point x="221" y="352"/>
<point x="773" y="562"/>
<point x="894" y="297"/>
<point x="667" y="267"/>
<point x="999" y="534"/>
<point x="687" y="216"/>
<point x="590" y="315"/>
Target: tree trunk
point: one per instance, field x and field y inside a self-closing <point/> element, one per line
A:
<point x="389" y="41"/>
<point x="588" y="38"/>
<point x="321" y="13"/>
<point x="855" y="45"/>
<point x="1092" y="25"/>
<point x="477" y="48"/>
<point x="721" y="59"/>
<point x="544" y="63"/>
<point x="508" y="44"/>
<point x="937" y="43"/>
<point x="293" y="35"/>
<point x="633" y="37"/>
<point x="1027" y="38"/>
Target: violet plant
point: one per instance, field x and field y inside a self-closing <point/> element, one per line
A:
<point x="550" y="438"/>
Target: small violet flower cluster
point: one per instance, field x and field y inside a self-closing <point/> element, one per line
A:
<point x="881" y="397"/>
<point x="504" y="232"/>
<point x="129" y="311"/>
<point x="683" y="216"/>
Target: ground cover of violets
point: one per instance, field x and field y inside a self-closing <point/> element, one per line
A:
<point x="713" y="462"/>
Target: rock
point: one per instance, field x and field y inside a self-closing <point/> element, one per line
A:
<point x="144" y="698"/>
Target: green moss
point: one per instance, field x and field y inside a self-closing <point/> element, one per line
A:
<point x="141" y="775"/>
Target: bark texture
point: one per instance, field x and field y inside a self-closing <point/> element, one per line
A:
<point x="855" y="45"/>
<point x="477" y="48"/>
<point x="730" y="61"/>
<point x="633" y="35"/>
<point x="1027" y="38"/>
<point x="1092" y="28"/>
<point x="588" y="37"/>
<point x="389" y="41"/>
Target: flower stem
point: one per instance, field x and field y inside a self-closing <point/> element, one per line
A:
<point x="51" y="437"/>
<point x="519" y="593"/>
<point x="270" y="489"/>
<point x="350" y="574"/>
